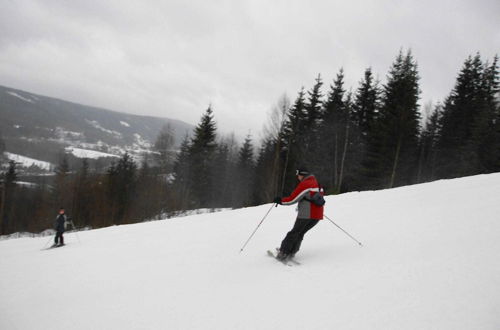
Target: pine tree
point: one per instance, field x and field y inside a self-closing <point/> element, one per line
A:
<point x="333" y="132"/>
<point x="274" y="135"/>
<point x="82" y="196"/>
<point x="393" y="147"/>
<point x="312" y="108"/>
<point x="364" y="116"/>
<point x="292" y="140"/>
<point x="221" y="173"/>
<point x="121" y="188"/>
<point x="182" y="176"/>
<point x="428" y="151"/>
<point x="366" y="104"/>
<point x="264" y="184"/>
<point x="201" y="155"/>
<point x="485" y="136"/>
<point x="312" y="139"/>
<point x="8" y="185"/>
<point x="468" y="141"/>
<point x="245" y="173"/>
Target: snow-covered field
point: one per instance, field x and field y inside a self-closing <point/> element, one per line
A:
<point x="86" y="153"/>
<point x="430" y="260"/>
<point x="27" y="161"/>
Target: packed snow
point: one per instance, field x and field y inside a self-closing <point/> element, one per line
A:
<point x="85" y="153"/>
<point x="28" y="162"/>
<point x="124" y="123"/>
<point x="429" y="261"/>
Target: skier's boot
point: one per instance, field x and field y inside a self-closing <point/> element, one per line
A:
<point x="281" y="256"/>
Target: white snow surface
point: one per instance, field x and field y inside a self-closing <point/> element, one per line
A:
<point x="27" y="161"/>
<point x="124" y="123"/>
<point x="85" y="153"/>
<point x="429" y="261"/>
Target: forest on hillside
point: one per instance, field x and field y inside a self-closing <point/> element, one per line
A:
<point x="372" y="137"/>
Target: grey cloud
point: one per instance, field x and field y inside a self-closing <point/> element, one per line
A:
<point x="173" y="58"/>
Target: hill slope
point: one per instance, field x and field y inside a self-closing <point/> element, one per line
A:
<point x="429" y="261"/>
<point x="40" y="127"/>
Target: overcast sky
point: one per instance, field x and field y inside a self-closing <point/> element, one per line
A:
<point x="174" y="58"/>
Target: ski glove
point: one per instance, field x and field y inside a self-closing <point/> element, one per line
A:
<point x="277" y="200"/>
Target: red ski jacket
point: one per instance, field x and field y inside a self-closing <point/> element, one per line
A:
<point x="306" y="209"/>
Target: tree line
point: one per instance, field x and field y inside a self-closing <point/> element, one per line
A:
<point x="373" y="137"/>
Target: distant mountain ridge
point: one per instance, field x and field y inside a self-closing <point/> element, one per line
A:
<point x="41" y="127"/>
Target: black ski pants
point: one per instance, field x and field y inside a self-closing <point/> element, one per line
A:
<point x="59" y="237"/>
<point x="293" y="240"/>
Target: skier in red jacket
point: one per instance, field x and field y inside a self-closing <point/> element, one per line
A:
<point x="308" y="216"/>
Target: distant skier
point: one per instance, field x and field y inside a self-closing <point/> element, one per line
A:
<point x="309" y="212"/>
<point x="60" y="226"/>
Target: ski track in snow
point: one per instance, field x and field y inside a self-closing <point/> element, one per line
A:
<point x="429" y="261"/>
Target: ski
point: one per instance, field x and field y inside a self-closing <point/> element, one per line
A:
<point x="287" y="262"/>
<point x="53" y="246"/>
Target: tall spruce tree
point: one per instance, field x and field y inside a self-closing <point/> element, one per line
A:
<point x="468" y="141"/>
<point x="201" y="153"/>
<point x="365" y="110"/>
<point x="121" y="188"/>
<point x="263" y="187"/>
<point x="312" y="139"/>
<point x="245" y="173"/>
<point x="293" y="141"/>
<point x="182" y="176"/>
<point x="8" y="186"/>
<point x="428" y="151"/>
<point x="394" y="143"/>
<point x="333" y="132"/>
<point x="366" y="104"/>
<point x="222" y="191"/>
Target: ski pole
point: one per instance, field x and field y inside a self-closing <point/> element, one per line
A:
<point x="344" y="231"/>
<point x="50" y="238"/>
<point x="261" y="221"/>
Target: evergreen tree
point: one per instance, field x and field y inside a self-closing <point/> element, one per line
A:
<point x="245" y="173"/>
<point x="312" y="107"/>
<point x="366" y="104"/>
<point x="364" y="116"/>
<point x="182" y="175"/>
<point x="333" y="132"/>
<point x="293" y="142"/>
<point x="468" y="141"/>
<point x="221" y="174"/>
<point x="485" y="136"/>
<point x="264" y="184"/>
<point x="428" y="146"/>
<point x="274" y="136"/>
<point x="312" y="139"/>
<point x="121" y="188"/>
<point x="82" y="196"/>
<point x="393" y="146"/>
<point x="201" y="153"/>
<point x="8" y="186"/>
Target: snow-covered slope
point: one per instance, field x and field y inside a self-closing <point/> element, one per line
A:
<point x="430" y="261"/>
